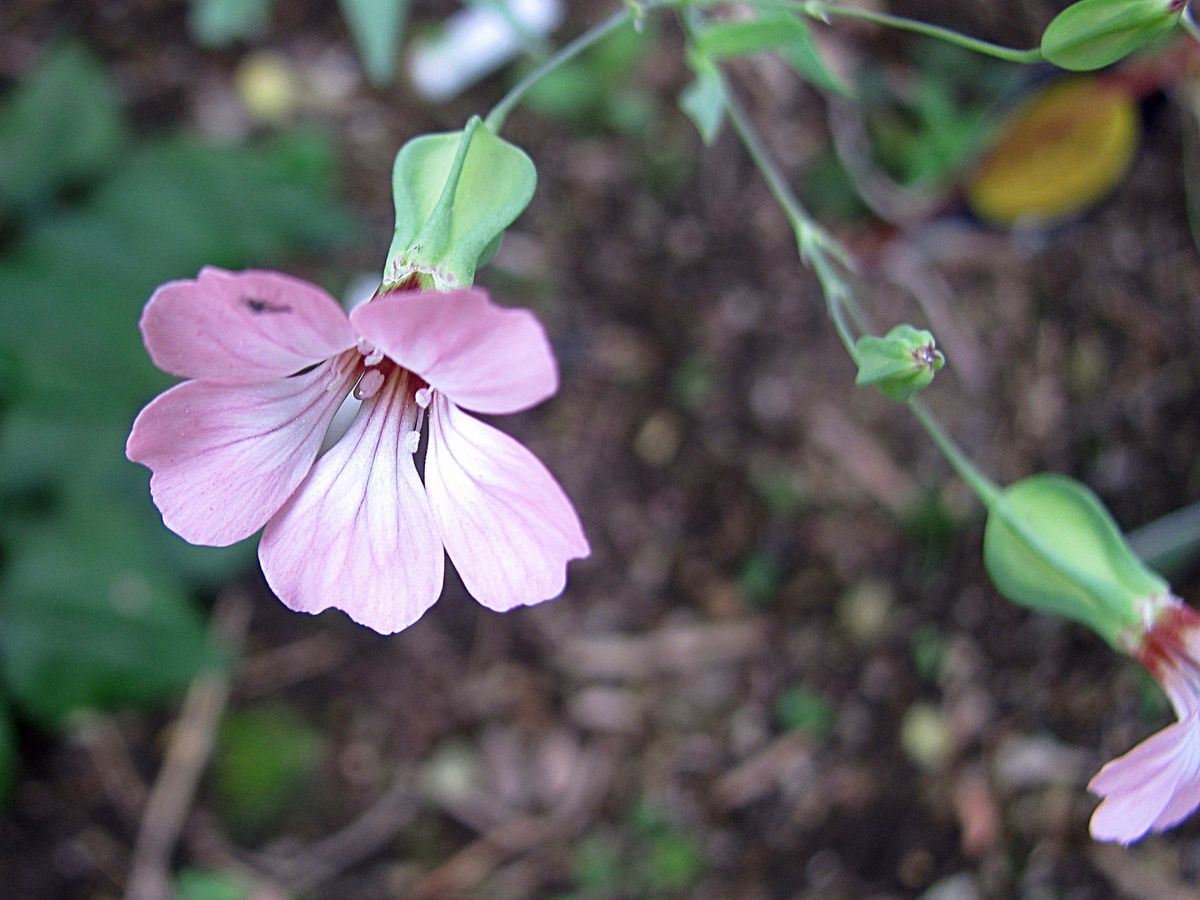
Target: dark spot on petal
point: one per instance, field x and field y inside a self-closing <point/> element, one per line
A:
<point x="265" y="306"/>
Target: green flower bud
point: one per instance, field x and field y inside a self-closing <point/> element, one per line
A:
<point x="1051" y="545"/>
<point x="900" y="363"/>
<point x="455" y="194"/>
<point x="1091" y="34"/>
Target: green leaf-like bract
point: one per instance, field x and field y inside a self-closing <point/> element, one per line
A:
<point x="1091" y="34"/>
<point x="377" y="27"/>
<point x="453" y="203"/>
<point x="782" y="32"/>
<point x="1051" y="545"/>
<point x="703" y="101"/>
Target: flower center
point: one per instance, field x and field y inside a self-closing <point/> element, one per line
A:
<point x="375" y="370"/>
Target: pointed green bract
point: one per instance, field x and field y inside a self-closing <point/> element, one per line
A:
<point x="900" y="363"/>
<point x="703" y="101"/>
<point x="1091" y="34"/>
<point x="1051" y="545"/>
<point x="782" y="32"/>
<point x="455" y="194"/>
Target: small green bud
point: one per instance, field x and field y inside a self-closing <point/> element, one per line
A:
<point x="1091" y="34"/>
<point x="900" y="363"/>
<point x="1051" y="545"/>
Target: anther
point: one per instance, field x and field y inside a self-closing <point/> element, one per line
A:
<point x="368" y="386"/>
<point x="412" y="441"/>
<point x="424" y="397"/>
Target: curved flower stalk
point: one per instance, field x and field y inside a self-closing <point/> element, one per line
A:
<point x="1156" y="785"/>
<point x="271" y="358"/>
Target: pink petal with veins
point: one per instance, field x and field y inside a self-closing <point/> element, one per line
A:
<point x="1150" y="788"/>
<point x="225" y="457"/>
<point x="357" y="535"/>
<point x="482" y="356"/>
<point x="507" y="525"/>
<point x="244" y="327"/>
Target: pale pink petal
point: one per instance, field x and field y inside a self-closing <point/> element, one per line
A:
<point x="357" y="535"/>
<point x="1139" y="787"/>
<point x="242" y="327"/>
<point x="226" y="457"/>
<point x="1127" y="772"/>
<point x="1187" y="793"/>
<point x="507" y="525"/>
<point x="482" y="356"/>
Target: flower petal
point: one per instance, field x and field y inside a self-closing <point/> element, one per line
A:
<point x="357" y="535"/>
<point x="507" y="525"/>
<point x="482" y="356"/>
<point x="1138" y="788"/>
<point x="242" y="327"/>
<point x="1187" y="792"/>
<point x="226" y="457"/>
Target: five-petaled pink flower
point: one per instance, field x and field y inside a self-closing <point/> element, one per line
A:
<point x="1156" y="785"/>
<point x="271" y="359"/>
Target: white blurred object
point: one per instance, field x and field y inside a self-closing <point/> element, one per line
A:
<point x="475" y="42"/>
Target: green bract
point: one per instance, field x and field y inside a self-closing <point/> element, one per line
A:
<point x="1051" y="545"/>
<point x="455" y="194"/>
<point x="1091" y="34"/>
<point x="781" y="32"/>
<point x="900" y="363"/>
<point x="704" y="99"/>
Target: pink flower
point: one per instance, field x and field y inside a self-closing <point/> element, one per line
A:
<point x="1156" y="785"/>
<point x="271" y="359"/>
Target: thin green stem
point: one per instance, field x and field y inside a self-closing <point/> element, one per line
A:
<point x="495" y="119"/>
<point x="816" y="246"/>
<point x="825" y="11"/>
<point x="984" y="487"/>
<point x="823" y="254"/>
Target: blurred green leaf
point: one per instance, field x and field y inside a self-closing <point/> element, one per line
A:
<point x="61" y="126"/>
<point x="927" y="128"/>
<point x="782" y="32"/>
<point x="799" y="709"/>
<point x="197" y="884"/>
<point x="74" y="637"/>
<point x="929" y="649"/>
<point x="759" y="577"/>
<point x="83" y="276"/>
<point x="600" y="89"/>
<point x="675" y="861"/>
<point x="265" y="758"/>
<point x="703" y="101"/>
<point x="217" y="23"/>
<point x="743" y="37"/>
<point x="597" y="866"/>
<point x="377" y="27"/>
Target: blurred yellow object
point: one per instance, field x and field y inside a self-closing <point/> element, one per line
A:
<point x="267" y="87"/>
<point x="1062" y="151"/>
